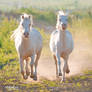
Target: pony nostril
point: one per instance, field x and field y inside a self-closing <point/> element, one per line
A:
<point x="26" y="34"/>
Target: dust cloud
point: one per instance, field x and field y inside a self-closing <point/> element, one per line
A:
<point x="79" y="60"/>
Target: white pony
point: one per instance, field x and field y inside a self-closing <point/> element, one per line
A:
<point x="28" y="43"/>
<point x="61" y="44"/>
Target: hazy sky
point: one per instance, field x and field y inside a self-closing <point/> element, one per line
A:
<point x="45" y="4"/>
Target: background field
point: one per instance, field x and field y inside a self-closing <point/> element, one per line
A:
<point x="46" y="4"/>
<point x="80" y="61"/>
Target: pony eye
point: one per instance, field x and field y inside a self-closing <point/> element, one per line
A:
<point x="29" y="24"/>
<point x="22" y="24"/>
<point x="59" y="19"/>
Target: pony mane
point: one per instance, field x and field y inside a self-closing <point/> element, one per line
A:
<point x="15" y="32"/>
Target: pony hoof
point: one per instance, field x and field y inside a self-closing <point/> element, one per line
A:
<point x="27" y="73"/>
<point x="67" y="71"/>
<point x="63" y="80"/>
<point x="60" y="74"/>
<point x="31" y="76"/>
<point x="25" y="77"/>
<point x="35" y="78"/>
<point x="57" y="76"/>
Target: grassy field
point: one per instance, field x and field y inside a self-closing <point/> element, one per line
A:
<point x="80" y="25"/>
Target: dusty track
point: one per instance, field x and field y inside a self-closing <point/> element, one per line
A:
<point x="79" y="60"/>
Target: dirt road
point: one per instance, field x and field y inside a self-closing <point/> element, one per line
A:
<point x="79" y="60"/>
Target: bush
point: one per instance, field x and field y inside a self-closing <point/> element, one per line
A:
<point x="47" y="16"/>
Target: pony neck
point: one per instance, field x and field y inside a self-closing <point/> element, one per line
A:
<point x="61" y="30"/>
<point x="62" y="37"/>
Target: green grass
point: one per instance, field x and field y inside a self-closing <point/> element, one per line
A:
<point x="76" y="83"/>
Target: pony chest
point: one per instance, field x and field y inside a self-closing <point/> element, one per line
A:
<point x="25" y="48"/>
<point x="25" y="52"/>
<point x="64" y="46"/>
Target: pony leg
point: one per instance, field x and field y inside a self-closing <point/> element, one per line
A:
<point x="56" y="65"/>
<point x="27" y="67"/>
<point x="36" y="63"/>
<point x="22" y="68"/>
<point x="65" y="68"/>
<point x="59" y="64"/>
<point x="31" y="65"/>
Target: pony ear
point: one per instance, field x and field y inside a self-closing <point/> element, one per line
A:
<point x="22" y="16"/>
<point x="29" y="16"/>
<point x="61" y="12"/>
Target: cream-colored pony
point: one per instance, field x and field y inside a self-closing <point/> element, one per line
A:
<point x="61" y="44"/>
<point x="28" y="43"/>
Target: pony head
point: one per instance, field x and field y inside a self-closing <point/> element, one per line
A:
<point x="26" y="23"/>
<point x="62" y="20"/>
